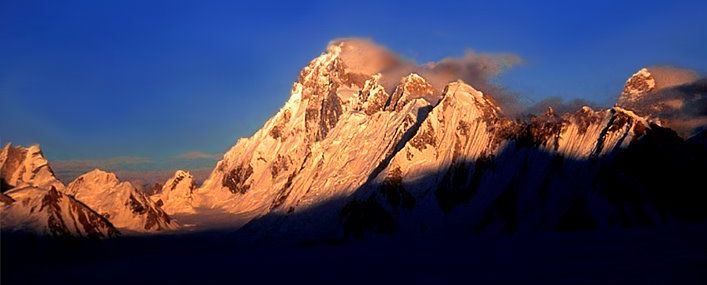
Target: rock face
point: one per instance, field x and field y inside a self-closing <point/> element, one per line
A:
<point x="338" y="126"/>
<point x="176" y="196"/>
<point x="676" y="96"/>
<point x="637" y="86"/>
<point x="119" y="202"/>
<point x="51" y="212"/>
<point x="21" y="166"/>
<point x="411" y="87"/>
<point x="468" y="160"/>
<point x="343" y="153"/>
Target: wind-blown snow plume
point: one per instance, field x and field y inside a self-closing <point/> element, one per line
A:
<point x="478" y="69"/>
<point x="668" y="76"/>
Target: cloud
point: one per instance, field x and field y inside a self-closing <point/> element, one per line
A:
<point x="68" y="170"/>
<point x="141" y="171"/>
<point x="118" y="161"/>
<point x="669" y="76"/>
<point x="145" y="179"/>
<point x="477" y="69"/>
<point x="194" y="155"/>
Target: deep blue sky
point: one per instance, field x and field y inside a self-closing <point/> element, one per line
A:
<point x="98" y="79"/>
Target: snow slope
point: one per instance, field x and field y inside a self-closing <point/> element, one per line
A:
<point x="336" y="128"/>
<point x="344" y="153"/>
<point x="122" y="204"/>
<point x="51" y="212"/>
<point x="468" y="155"/>
<point x="342" y="141"/>
<point x="176" y="196"/>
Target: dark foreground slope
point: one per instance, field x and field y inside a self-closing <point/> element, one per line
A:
<point x="664" y="255"/>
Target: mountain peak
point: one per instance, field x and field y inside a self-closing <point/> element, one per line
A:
<point x="411" y="87"/>
<point x="639" y="84"/>
<point x="120" y="202"/>
<point x="412" y="77"/>
<point x="373" y="96"/>
<point x="458" y="91"/>
<point x="462" y="90"/>
<point x="629" y="113"/>
<point x="51" y="212"/>
<point x="415" y="84"/>
<point x="100" y="176"/>
<point x="21" y="166"/>
<point x="176" y="196"/>
<point x="182" y="173"/>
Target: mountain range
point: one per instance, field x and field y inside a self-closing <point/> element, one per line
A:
<point x="346" y="156"/>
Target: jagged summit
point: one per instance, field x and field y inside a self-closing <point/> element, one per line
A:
<point x="410" y="157"/>
<point x="20" y="166"/>
<point x="460" y="91"/>
<point x="672" y="96"/>
<point x="411" y="87"/>
<point x="94" y="180"/>
<point x="336" y="136"/>
<point x="51" y="212"/>
<point x="177" y="194"/>
<point x="373" y="97"/>
<point x="120" y="202"/>
<point x="639" y="84"/>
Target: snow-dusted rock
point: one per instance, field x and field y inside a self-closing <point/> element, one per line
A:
<point x="411" y="87"/>
<point x="344" y="152"/>
<point x="467" y="157"/>
<point x="51" y="212"/>
<point x="20" y="166"/>
<point x="637" y="86"/>
<point x="673" y="97"/>
<point x="177" y="194"/>
<point x="342" y="136"/>
<point x="122" y="204"/>
<point x="335" y="129"/>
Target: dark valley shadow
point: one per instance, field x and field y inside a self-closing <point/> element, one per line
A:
<point x="525" y="211"/>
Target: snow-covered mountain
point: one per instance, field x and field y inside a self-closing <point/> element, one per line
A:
<point x="467" y="162"/>
<point x="347" y="155"/>
<point x="120" y="202"/>
<point x="637" y="86"/>
<point x="22" y="166"/>
<point x="675" y="96"/>
<point x="51" y="212"/>
<point x="332" y="132"/>
<point x="417" y="157"/>
<point x="176" y="196"/>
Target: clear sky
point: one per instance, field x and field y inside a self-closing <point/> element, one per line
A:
<point x="160" y="79"/>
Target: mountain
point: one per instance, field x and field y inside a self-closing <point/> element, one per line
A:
<point x="347" y="155"/>
<point x="457" y="160"/>
<point x="20" y="166"/>
<point x="468" y="162"/>
<point x="675" y="96"/>
<point x="120" y="202"/>
<point x="176" y="196"/>
<point x="636" y="87"/>
<point x="33" y="200"/>
<point x="51" y="212"/>
<point x="338" y="126"/>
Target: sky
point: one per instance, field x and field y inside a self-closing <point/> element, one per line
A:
<point x="165" y="84"/>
